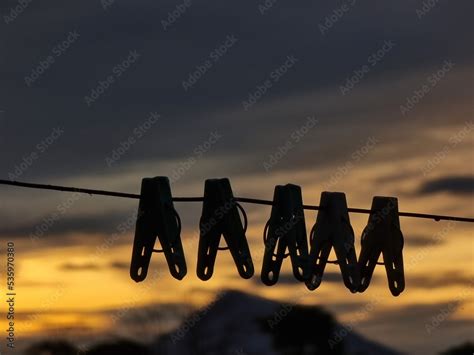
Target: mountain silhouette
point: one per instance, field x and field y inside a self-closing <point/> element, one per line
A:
<point x="240" y="323"/>
<point x="237" y="323"/>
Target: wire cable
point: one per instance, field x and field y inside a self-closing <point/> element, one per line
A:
<point x="200" y="199"/>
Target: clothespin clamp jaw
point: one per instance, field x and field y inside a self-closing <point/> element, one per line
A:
<point x="286" y="229"/>
<point x="333" y="229"/>
<point x="220" y="216"/>
<point x="157" y="217"/>
<point x="382" y="235"/>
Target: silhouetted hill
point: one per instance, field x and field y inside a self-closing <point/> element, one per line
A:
<point x="119" y="347"/>
<point x="464" y="349"/>
<point x="239" y="323"/>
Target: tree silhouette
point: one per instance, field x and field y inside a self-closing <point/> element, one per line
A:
<point x="464" y="349"/>
<point x="304" y="330"/>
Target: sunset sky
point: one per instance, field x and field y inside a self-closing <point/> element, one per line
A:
<point x="374" y="102"/>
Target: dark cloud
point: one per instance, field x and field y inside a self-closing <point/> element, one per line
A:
<point x="459" y="185"/>
<point x="417" y="325"/>
<point x="420" y="241"/>
<point x="284" y="279"/>
<point x="440" y="280"/>
<point x="346" y="307"/>
<point x="214" y="103"/>
<point x="415" y="313"/>
<point x="120" y="265"/>
<point x="154" y="82"/>
<point x="51" y="226"/>
<point x="69" y="266"/>
<point x="289" y="279"/>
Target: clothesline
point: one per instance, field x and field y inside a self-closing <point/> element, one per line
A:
<point x="200" y="199"/>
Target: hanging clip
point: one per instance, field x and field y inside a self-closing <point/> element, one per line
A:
<point x="286" y="229"/>
<point x="333" y="229"/>
<point x="383" y="235"/>
<point x="220" y="216"/>
<point x="157" y="217"/>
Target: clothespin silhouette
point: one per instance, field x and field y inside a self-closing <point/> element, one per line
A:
<point x="382" y="235"/>
<point x="220" y="216"/>
<point x="333" y="229"/>
<point x="286" y="230"/>
<point x="157" y="217"/>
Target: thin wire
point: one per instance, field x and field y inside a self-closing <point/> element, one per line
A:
<point x="335" y="262"/>
<point x="200" y="199"/>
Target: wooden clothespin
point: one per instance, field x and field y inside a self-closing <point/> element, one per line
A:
<point x="286" y="229"/>
<point x="220" y="216"/>
<point x="333" y="229"/>
<point x="157" y="217"/>
<point x="382" y="235"/>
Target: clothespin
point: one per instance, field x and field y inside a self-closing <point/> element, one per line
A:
<point x="286" y="230"/>
<point x="382" y="235"/>
<point x="157" y="217"/>
<point x="333" y="229"/>
<point x="220" y="216"/>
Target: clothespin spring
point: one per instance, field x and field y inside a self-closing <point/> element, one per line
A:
<point x="265" y="240"/>
<point x="311" y="236"/>
<point x="178" y="219"/>
<point x="244" y="215"/>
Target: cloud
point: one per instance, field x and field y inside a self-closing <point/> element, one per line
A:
<point x="49" y="226"/>
<point x="414" y="314"/>
<point x="91" y="266"/>
<point x="154" y="83"/>
<point x="421" y="241"/>
<point x="289" y="279"/>
<point x="414" y="326"/>
<point x="120" y="265"/>
<point x="458" y="185"/>
<point x="435" y="280"/>
<point x="69" y="266"/>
